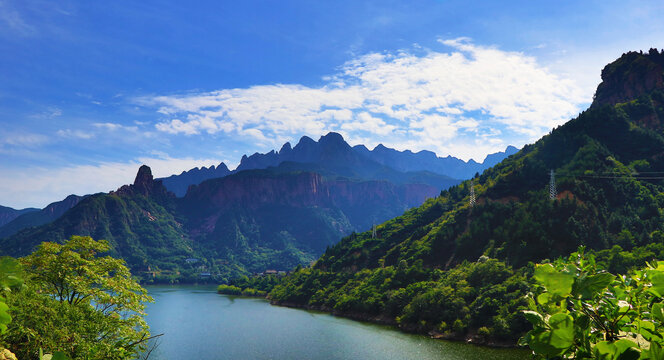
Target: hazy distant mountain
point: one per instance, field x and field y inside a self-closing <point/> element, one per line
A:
<point x="8" y="214"/>
<point x="428" y="161"/>
<point x="332" y="154"/>
<point x="178" y="184"/>
<point x="36" y="217"/>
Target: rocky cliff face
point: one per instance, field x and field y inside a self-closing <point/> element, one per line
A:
<point x="629" y="77"/>
<point x="251" y="190"/>
<point x="267" y="218"/>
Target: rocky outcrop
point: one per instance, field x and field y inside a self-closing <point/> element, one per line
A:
<point x="632" y="75"/>
<point x="144" y="184"/>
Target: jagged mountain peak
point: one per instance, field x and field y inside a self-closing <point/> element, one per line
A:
<point x="144" y="177"/>
<point x="630" y="76"/>
<point x="285" y="148"/>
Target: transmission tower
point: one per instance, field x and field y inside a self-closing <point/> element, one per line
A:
<point x="471" y="201"/>
<point x="373" y="231"/>
<point x="552" y="186"/>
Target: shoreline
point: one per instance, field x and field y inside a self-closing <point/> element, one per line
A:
<point x="470" y="338"/>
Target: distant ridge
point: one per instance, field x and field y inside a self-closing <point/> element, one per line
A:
<point x="429" y="161"/>
<point x="8" y="214"/>
<point x="332" y="154"/>
<point x="36" y="217"/>
<point x="178" y="184"/>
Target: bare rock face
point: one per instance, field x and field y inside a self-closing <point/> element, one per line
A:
<point x="144" y="181"/>
<point x="629" y="77"/>
<point x="145" y="185"/>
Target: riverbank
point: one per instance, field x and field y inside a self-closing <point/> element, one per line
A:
<point x="470" y="338"/>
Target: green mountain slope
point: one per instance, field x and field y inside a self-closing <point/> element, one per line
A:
<point x="137" y="220"/>
<point x="609" y="166"/>
<point x="246" y="222"/>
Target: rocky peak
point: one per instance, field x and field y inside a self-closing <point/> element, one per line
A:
<point x="144" y="181"/>
<point x="332" y="138"/>
<point x="630" y="76"/>
<point x="144" y="184"/>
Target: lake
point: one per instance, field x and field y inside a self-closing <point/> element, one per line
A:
<point x="200" y="324"/>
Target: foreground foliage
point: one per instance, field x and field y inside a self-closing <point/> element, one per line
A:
<point x="580" y="312"/>
<point x="77" y="303"/>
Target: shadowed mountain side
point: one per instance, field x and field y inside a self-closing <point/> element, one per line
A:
<point x="298" y="214"/>
<point x="39" y="217"/>
<point x="178" y="184"/>
<point x="8" y="214"/>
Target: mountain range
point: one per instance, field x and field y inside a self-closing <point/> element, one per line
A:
<point x="275" y="211"/>
<point x="332" y="154"/>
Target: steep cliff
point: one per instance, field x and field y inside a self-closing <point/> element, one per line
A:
<point x="276" y="219"/>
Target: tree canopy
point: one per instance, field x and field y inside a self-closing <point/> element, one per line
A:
<point x="77" y="302"/>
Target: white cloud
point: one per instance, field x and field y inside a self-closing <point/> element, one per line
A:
<point x="75" y="134"/>
<point x="465" y="102"/>
<point x="23" y="139"/>
<point x="31" y="187"/>
<point x="114" y="127"/>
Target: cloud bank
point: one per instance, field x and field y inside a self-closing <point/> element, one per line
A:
<point x="467" y="102"/>
<point x="32" y="187"/>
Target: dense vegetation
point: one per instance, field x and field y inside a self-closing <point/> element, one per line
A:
<point x="580" y="312"/>
<point x="610" y="198"/>
<point x="67" y="300"/>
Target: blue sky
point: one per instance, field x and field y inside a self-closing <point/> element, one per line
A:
<point x="90" y="90"/>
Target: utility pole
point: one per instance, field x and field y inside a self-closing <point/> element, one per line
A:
<point x="552" y="186"/>
<point x="471" y="201"/>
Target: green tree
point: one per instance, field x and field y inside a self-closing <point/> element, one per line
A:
<point x="77" y="302"/>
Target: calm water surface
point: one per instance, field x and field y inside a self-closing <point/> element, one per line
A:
<point x="200" y="324"/>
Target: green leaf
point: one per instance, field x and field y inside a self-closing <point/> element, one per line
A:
<point x="534" y="317"/>
<point x="657" y="280"/>
<point x="655" y="351"/>
<point x="5" y="318"/>
<point x="592" y="285"/>
<point x="620" y="350"/>
<point x="556" y="341"/>
<point x="657" y="312"/>
<point x="555" y="282"/>
<point x="647" y="330"/>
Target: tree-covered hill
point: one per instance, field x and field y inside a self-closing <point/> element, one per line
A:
<point x="608" y="168"/>
<point x="137" y="220"/>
